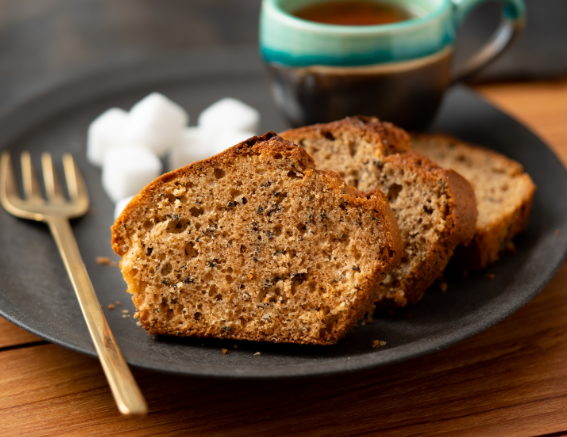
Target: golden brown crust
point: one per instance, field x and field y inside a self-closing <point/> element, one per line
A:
<point x="383" y="134"/>
<point x="465" y="211"/>
<point x="504" y="194"/>
<point x="490" y="241"/>
<point x="459" y="224"/>
<point x="143" y="246"/>
<point x="442" y="139"/>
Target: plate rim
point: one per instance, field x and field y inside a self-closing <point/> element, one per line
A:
<point x="209" y="58"/>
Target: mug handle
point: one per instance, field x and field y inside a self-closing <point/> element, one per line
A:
<point x="512" y="23"/>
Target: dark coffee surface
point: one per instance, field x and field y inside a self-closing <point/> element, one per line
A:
<point x="354" y="13"/>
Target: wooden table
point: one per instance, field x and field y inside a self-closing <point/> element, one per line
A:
<point x="511" y="380"/>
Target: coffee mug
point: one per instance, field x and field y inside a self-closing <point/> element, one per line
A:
<point x="398" y="72"/>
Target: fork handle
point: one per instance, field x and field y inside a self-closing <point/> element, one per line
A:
<point x="127" y="394"/>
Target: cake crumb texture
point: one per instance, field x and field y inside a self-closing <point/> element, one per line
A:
<point x="435" y="208"/>
<point x="255" y="244"/>
<point x="354" y="147"/>
<point x="504" y="194"/>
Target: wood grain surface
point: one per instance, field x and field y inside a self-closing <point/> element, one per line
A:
<point x="11" y="336"/>
<point x="510" y="380"/>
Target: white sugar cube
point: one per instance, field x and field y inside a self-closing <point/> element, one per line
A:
<point x="156" y="122"/>
<point x="198" y="144"/>
<point x="128" y="169"/>
<point x="227" y="139"/>
<point x="230" y="114"/>
<point x="195" y="145"/>
<point x="104" y="132"/>
<point x="120" y="205"/>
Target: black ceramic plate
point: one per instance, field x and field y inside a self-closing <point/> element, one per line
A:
<point x="35" y="292"/>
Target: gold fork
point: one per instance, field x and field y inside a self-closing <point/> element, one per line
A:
<point x="56" y="212"/>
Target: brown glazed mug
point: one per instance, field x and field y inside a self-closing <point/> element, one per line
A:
<point x="397" y="72"/>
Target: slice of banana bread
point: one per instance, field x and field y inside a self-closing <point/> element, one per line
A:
<point x="435" y="208"/>
<point x="436" y="211"/>
<point x="353" y="147"/>
<point x="503" y="192"/>
<point x="255" y="244"/>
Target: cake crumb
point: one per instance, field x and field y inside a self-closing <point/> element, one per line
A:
<point x="138" y="323"/>
<point x="443" y="286"/>
<point x="125" y="316"/>
<point x="370" y="321"/>
<point x="363" y="323"/>
<point x="510" y="247"/>
<point x="125" y="311"/>
<point x="557" y="232"/>
<point x="235" y="346"/>
<point x="257" y="353"/>
<point x="105" y="261"/>
<point x="118" y="303"/>
<point x="92" y="210"/>
<point x="110" y="306"/>
<point x="378" y="343"/>
<point x="490" y="275"/>
<point x="225" y="351"/>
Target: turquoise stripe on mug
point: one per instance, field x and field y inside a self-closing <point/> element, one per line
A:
<point x="291" y="41"/>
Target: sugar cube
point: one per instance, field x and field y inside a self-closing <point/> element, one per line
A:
<point x="128" y="169"/>
<point x="230" y="114"/>
<point x="228" y="138"/>
<point x="120" y="205"/>
<point x="104" y="132"/>
<point x="156" y="122"/>
<point x="195" y="145"/>
<point x="198" y="144"/>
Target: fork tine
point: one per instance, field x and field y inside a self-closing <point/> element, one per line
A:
<point x="8" y="188"/>
<point x="52" y="186"/>
<point x="75" y="183"/>
<point x="31" y="186"/>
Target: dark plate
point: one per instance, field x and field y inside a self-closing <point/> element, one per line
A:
<point x="37" y="295"/>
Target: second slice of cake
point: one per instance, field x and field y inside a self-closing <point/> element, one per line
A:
<point x="435" y="208"/>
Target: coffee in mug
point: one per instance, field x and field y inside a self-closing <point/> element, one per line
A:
<point x="354" y="13"/>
